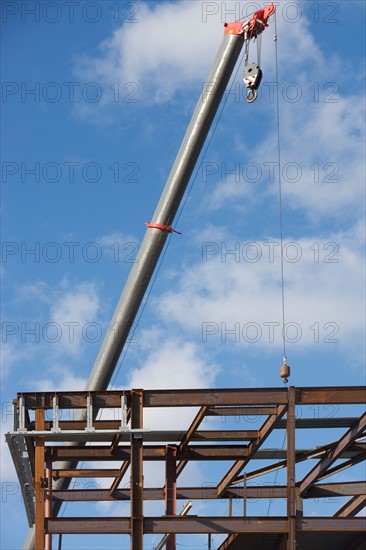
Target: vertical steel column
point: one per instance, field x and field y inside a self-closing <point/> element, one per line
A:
<point x="48" y="503"/>
<point x="137" y="519"/>
<point x="39" y="481"/>
<point x="291" y="456"/>
<point x="171" y="490"/>
<point x="299" y="507"/>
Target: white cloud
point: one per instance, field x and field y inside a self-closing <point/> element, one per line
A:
<point x="161" y="56"/>
<point x="56" y="325"/>
<point x="331" y="174"/>
<point x="174" y="45"/>
<point x="173" y="364"/>
<point x="60" y="378"/>
<point x="11" y="353"/>
<point x="76" y="310"/>
<point x="159" y="52"/>
<point x="324" y="289"/>
<point x="322" y="160"/>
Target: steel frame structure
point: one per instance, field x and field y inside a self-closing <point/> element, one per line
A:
<point x="39" y="444"/>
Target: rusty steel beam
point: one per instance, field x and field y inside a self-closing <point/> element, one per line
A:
<point x="136" y="484"/>
<point x="75" y="399"/>
<point x="346" y="489"/>
<point x="39" y="483"/>
<point x="306" y="423"/>
<point x="352" y="507"/>
<point x="161" y="525"/>
<point x="350" y="525"/>
<point x="85" y="472"/>
<point x="306" y="455"/>
<point x="343" y="466"/>
<point x="345" y="441"/>
<point x="157" y="452"/>
<point x="170" y="490"/>
<point x="182" y="493"/>
<point x="227" y="542"/>
<point x="123" y="469"/>
<point x="192" y="452"/>
<point x="81" y="425"/>
<point x="187" y="436"/>
<point x="225" y="435"/>
<point x="150" y="436"/>
<point x="48" y="502"/>
<point x="291" y="476"/>
<point x="350" y="395"/>
<point x="199" y="525"/>
<point x="117" y="438"/>
<point x="193" y="427"/>
<point x="197" y="398"/>
<point x="264" y="432"/>
<point x="240" y="411"/>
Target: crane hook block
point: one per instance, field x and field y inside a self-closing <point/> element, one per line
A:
<point x="252" y="78"/>
<point x="285" y="371"/>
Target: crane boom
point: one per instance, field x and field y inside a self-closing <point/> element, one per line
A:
<point x="160" y="226"/>
<point x="155" y="237"/>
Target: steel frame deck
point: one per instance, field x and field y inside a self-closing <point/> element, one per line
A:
<point x="38" y="445"/>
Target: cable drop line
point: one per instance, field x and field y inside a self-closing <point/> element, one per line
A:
<point x="280" y="189"/>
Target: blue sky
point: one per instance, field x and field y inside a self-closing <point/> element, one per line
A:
<point x="96" y="97"/>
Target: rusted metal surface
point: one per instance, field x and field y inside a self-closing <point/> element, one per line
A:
<point x="193" y="453"/>
<point x="264" y="432"/>
<point x="39" y="483"/>
<point x="202" y="524"/>
<point x="329" y="490"/>
<point x="291" y="461"/>
<point x="123" y="469"/>
<point x="352" y="507"/>
<point x="198" y="398"/>
<point x="170" y="490"/>
<point x="48" y="501"/>
<point x="137" y="512"/>
<point x="346" y="440"/>
<point x="248" y="418"/>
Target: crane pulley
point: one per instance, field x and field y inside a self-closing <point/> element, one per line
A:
<point x="252" y="29"/>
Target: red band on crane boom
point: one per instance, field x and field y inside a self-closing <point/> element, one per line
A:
<point x="167" y="228"/>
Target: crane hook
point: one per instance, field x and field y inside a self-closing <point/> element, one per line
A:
<point x="252" y="77"/>
<point x="251" y="95"/>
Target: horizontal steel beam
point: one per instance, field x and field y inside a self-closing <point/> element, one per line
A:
<point x="209" y="492"/>
<point x="191" y="452"/>
<point x="345" y="489"/>
<point x="306" y="423"/>
<point x="202" y="493"/>
<point x="199" y="525"/>
<point x="199" y="397"/>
